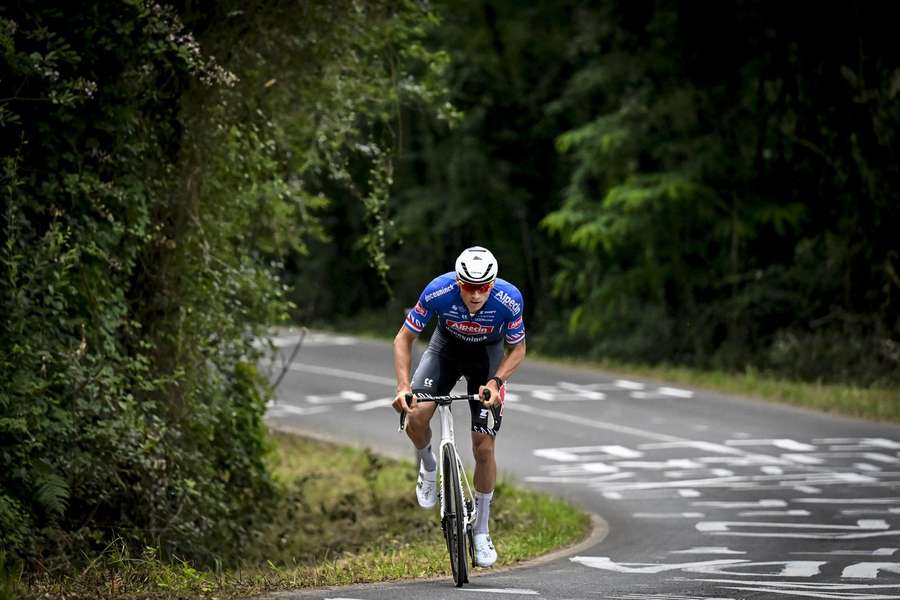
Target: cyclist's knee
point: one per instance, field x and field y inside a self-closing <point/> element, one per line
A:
<point x="483" y="448"/>
<point x="418" y="422"/>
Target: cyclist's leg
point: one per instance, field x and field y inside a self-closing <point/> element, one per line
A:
<point x="485" y="422"/>
<point x="435" y="375"/>
<point x="485" y="426"/>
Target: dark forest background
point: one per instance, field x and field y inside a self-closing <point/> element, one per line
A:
<point x="711" y="184"/>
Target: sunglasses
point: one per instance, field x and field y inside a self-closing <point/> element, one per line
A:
<point x="475" y="287"/>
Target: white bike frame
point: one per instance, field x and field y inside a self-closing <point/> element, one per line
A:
<point x="448" y="447"/>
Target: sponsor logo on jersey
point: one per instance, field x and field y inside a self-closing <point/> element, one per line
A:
<point x="420" y="309"/>
<point x="440" y="292"/>
<point x="508" y="301"/>
<point x="515" y="338"/>
<point x="516" y="323"/>
<point x="470" y="327"/>
<point x="414" y="322"/>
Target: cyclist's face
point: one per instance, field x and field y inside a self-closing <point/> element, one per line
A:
<point x="474" y="295"/>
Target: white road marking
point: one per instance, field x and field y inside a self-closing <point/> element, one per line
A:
<point x="783" y="443"/>
<point x="860" y="442"/>
<point x="311" y="339"/>
<point x="672" y="463"/>
<point x="673" y="515"/>
<point x="848" y="500"/>
<point x="863" y="530"/>
<point x="827" y="591"/>
<point x="556" y="454"/>
<point x="528" y="387"/>
<point x="341" y="373"/>
<point x="584" y="480"/>
<point x="775" y="513"/>
<point x="676" y="392"/>
<point x="878" y="552"/>
<point x="620" y="451"/>
<point x="710" y="447"/>
<point x="551" y="414"/>
<point x="500" y="591"/>
<point x="871" y="511"/>
<point x="344" y="396"/>
<point x="803" y="459"/>
<point x="605" y="563"/>
<point x="866" y="467"/>
<point x="628" y="385"/>
<point x="688" y="493"/>
<point x="757" y="504"/>
<point x="708" y="550"/>
<point x="789" y="568"/>
<point x="879" y="457"/>
<point x="290" y="409"/>
<point x="381" y="402"/>
<point x="555" y="396"/>
<point x="664" y="596"/>
<point x="862" y="524"/>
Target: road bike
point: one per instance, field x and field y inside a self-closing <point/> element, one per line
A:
<point x="457" y="505"/>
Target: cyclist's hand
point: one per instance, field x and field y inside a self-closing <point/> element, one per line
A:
<point x="400" y="403"/>
<point x="494" y="394"/>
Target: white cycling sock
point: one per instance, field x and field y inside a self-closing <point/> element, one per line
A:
<point x="483" y="506"/>
<point x="427" y="458"/>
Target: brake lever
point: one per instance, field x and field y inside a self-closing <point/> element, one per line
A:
<point x="408" y="399"/>
<point x="485" y="395"/>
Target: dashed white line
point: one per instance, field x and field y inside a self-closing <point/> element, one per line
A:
<point x="676" y="392"/>
<point x="381" y="402"/>
<point x="628" y="385"/>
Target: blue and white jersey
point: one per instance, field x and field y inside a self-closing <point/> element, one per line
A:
<point x="500" y="316"/>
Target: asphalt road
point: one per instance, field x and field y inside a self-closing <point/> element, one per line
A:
<point x="704" y="495"/>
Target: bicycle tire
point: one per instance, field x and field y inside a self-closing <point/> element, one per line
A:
<point x="454" y="520"/>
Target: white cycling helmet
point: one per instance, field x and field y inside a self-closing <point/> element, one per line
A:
<point x="476" y="265"/>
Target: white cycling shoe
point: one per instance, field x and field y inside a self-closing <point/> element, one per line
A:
<point x="426" y="488"/>
<point x="485" y="554"/>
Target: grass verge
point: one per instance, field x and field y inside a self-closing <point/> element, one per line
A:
<point x="346" y="516"/>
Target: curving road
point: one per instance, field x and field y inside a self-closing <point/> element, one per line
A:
<point x="705" y="496"/>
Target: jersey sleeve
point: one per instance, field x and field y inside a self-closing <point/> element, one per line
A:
<point x="418" y="316"/>
<point x="515" y="325"/>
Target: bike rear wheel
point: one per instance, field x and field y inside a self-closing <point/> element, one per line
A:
<point x="454" y="523"/>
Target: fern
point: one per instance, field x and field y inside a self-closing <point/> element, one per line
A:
<point x="52" y="492"/>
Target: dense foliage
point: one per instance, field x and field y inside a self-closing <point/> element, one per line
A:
<point x="732" y="198"/>
<point x="150" y="192"/>
<point x="710" y="184"/>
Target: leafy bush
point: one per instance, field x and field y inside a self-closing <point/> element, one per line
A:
<point x="151" y="194"/>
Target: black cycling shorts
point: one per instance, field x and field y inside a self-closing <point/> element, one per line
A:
<point x="446" y="360"/>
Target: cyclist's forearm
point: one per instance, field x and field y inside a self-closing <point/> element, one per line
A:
<point x="403" y="358"/>
<point x="511" y="361"/>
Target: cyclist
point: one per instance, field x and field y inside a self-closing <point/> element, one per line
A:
<point x="476" y="313"/>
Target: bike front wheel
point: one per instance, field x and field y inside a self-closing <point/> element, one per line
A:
<point x="454" y="524"/>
